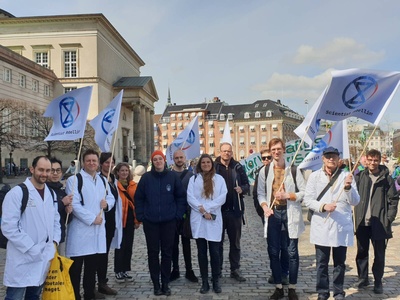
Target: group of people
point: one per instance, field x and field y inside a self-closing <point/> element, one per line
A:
<point x="104" y="205"/>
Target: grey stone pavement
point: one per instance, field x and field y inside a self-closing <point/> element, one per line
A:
<point x="254" y="265"/>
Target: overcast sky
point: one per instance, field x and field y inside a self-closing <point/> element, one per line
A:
<point x="246" y="50"/>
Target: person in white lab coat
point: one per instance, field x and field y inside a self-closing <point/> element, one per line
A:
<point x="31" y="235"/>
<point x="86" y="235"/>
<point x="331" y="224"/>
<point x="206" y="194"/>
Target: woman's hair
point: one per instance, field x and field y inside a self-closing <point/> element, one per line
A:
<point x="207" y="177"/>
<point x="119" y="166"/>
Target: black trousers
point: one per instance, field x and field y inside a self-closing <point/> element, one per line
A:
<point x="159" y="236"/>
<point x="213" y="247"/>
<point x="233" y="226"/>
<point x="89" y="275"/>
<point x="339" y="268"/>
<point x="103" y="257"/>
<point x="123" y="255"/>
<point x="364" y="234"/>
<point x="187" y="252"/>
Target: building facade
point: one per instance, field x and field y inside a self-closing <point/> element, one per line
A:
<point x="85" y="50"/>
<point x="251" y="125"/>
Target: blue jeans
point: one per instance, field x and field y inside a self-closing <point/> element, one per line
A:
<point x="279" y="243"/>
<point x="17" y="293"/>
<point x="339" y="258"/>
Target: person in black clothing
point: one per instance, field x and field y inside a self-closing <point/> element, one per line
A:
<point x="160" y="203"/>
<point x="106" y="164"/>
<point x="64" y="201"/>
<point x="184" y="175"/>
<point x="373" y="218"/>
<point x="233" y="209"/>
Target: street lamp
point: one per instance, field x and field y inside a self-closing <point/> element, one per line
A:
<point x="133" y="147"/>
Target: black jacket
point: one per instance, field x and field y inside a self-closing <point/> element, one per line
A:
<point x="160" y="197"/>
<point x="384" y="203"/>
<point x="234" y="174"/>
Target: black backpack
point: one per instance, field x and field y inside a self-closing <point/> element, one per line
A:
<point x="257" y="205"/>
<point x="25" y="196"/>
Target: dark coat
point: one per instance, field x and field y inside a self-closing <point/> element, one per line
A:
<point x="160" y="197"/>
<point x="233" y="175"/>
<point x="384" y="203"/>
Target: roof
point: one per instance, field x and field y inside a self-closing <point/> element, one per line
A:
<point x="6" y="14"/>
<point x="137" y="81"/>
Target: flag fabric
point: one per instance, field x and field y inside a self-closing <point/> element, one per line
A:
<point x="308" y="129"/>
<point x="364" y="94"/>
<point x="336" y="137"/>
<point x="188" y="141"/>
<point x="226" y="137"/>
<point x="106" y="123"/>
<point x="69" y="113"/>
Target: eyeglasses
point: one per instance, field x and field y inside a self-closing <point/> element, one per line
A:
<point x="55" y="171"/>
<point x="269" y="157"/>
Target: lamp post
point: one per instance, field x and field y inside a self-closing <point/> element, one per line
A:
<point x="133" y="148"/>
<point x="11" y="164"/>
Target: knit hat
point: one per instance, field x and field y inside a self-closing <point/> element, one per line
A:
<point x="158" y="152"/>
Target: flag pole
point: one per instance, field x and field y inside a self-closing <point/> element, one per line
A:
<point x="353" y="169"/>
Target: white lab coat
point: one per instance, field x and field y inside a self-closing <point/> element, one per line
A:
<point x="294" y="212"/>
<point x="30" y="247"/>
<point x="211" y="230"/>
<point x="338" y="229"/>
<point x="83" y="237"/>
<point x="117" y="239"/>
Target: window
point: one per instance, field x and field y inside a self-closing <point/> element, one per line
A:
<point x="263" y="127"/>
<point x="268" y="114"/>
<point x="35" y="85"/>
<point x="179" y="116"/>
<point x="173" y="125"/>
<point x="70" y="64"/>
<point x="35" y="124"/>
<point x="241" y="141"/>
<point x="222" y="117"/>
<point x="42" y="58"/>
<point x="252" y="140"/>
<point x="201" y="124"/>
<point x="124" y="116"/>
<point x="221" y="129"/>
<point x="7" y="75"/>
<point x="252" y="128"/>
<point x="257" y="114"/>
<point x="6" y="114"/>
<point x="201" y="133"/>
<point x="173" y="117"/>
<point x="46" y="90"/>
<point x="230" y="116"/>
<point x="211" y="133"/>
<point x="275" y="127"/>
<point x="264" y="140"/>
<point x="247" y="115"/>
<point x="22" y="80"/>
<point x="173" y="133"/>
<point x="68" y="89"/>
<point x="241" y="128"/>
<point x="211" y="124"/>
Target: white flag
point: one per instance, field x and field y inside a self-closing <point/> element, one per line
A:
<point x="226" y="137"/>
<point x="106" y="123"/>
<point x="188" y="141"/>
<point x="308" y="129"/>
<point x="336" y="137"/>
<point x="364" y="94"/>
<point x="69" y="113"/>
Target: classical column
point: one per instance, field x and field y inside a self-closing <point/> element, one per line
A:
<point x="137" y="135"/>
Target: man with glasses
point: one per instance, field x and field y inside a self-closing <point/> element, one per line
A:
<point x="330" y="194"/>
<point x="280" y="193"/>
<point x="233" y="210"/>
<point x="373" y="218"/>
<point x="64" y="201"/>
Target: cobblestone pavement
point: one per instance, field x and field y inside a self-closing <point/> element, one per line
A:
<point x="254" y="265"/>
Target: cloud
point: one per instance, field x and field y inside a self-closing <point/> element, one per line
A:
<point x="288" y="86"/>
<point x="340" y="52"/>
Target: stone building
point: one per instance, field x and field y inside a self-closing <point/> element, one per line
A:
<point x="85" y="50"/>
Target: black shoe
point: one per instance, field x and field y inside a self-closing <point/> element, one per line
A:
<point x="191" y="277"/>
<point x="378" y="288"/>
<point x="323" y="296"/>
<point x="157" y="289"/>
<point x="237" y="274"/>
<point x="174" y="275"/>
<point x="361" y="283"/>
<point x="339" y="296"/>
<point x="292" y="295"/>
<point x="98" y="295"/>
<point x="278" y="294"/>
<point x="216" y="286"/>
<point x="205" y="287"/>
<point x="165" y="289"/>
